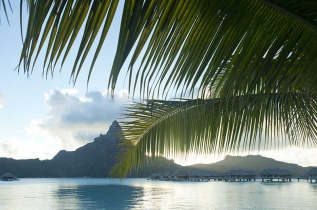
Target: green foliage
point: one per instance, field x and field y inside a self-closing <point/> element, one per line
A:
<point x="59" y="23"/>
<point x="186" y="43"/>
<point x="204" y="126"/>
<point x="192" y="43"/>
<point x="4" y="6"/>
<point x="253" y="61"/>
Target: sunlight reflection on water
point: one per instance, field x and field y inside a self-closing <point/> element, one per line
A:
<point x="144" y="194"/>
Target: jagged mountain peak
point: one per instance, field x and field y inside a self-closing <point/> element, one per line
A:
<point x="115" y="126"/>
<point x="244" y="157"/>
<point x="96" y="159"/>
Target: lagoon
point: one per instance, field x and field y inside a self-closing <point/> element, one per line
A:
<point x="80" y="193"/>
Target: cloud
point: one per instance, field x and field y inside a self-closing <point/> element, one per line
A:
<point x="30" y="147"/>
<point x="302" y="156"/>
<point x="291" y="154"/>
<point x="73" y="120"/>
<point x="8" y="148"/>
<point x="95" y="107"/>
<point x="1" y="101"/>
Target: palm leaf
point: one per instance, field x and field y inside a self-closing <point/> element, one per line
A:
<point x="204" y="126"/>
<point x="185" y="44"/>
<point x="4" y="5"/>
<point x="191" y="43"/>
<point x="253" y="61"/>
<point x="58" y="22"/>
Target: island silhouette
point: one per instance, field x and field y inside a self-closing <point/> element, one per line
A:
<point x="97" y="158"/>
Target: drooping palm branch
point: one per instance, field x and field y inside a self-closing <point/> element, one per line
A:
<point x="205" y="126"/>
<point x="253" y="61"/>
<point x="186" y="43"/>
<point x="5" y="5"/>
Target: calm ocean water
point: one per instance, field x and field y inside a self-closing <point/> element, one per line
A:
<point x="145" y="194"/>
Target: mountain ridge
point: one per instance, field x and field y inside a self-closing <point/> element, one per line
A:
<point x="96" y="159"/>
<point x="251" y="162"/>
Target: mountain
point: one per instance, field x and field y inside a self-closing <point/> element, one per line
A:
<point x="96" y="159"/>
<point x="251" y="162"/>
<point x="93" y="159"/>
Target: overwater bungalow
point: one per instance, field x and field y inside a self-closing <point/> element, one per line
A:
<point x="193" y="176"/>
<point x="239" y="176"/>
<point x="155" y="176"/>
<point x="199" y="176"/>
<point x="177" y="176"/>
<point x="215" y="176"/>
<point x="166" y="176"/>
<point x="209" y="176"/>
<point x="312" y="175"/>
<point x="174" y="176"/>
<point x="204" y="176"/>
<point x="276" y="174"/>
<point x="9" y="177"/>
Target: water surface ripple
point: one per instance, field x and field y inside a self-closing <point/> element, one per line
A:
<point x="144" y="194"/>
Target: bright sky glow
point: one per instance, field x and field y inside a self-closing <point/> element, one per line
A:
<point x="39" y="117"/>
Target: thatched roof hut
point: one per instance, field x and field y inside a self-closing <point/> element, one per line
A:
<point x="182" y="175"/>
<point x="239" y="172"/>
<point x="276" y="173"/>
<point x="206" y="174"/>
<point x="193" y="173"/>
<point x="312" y="175"/>
<point x="209" y="175"/>
<point x="166" y="176"/>
<point x="179" y="176"/>
<point x="155" y="176"/>
<point x="175" y="174"/>
<point x="197" y="175"/>
<point x="239" y="175"/>
<point x="8" y="177"/>
<point x="214" y="174"/>
<point x="312" y="172"/>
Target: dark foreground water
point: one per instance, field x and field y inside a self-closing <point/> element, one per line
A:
<point x="144" y="194"/>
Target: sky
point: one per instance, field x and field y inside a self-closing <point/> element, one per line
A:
<point x="39" y="116"/>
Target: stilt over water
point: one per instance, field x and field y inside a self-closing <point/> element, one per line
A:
<point x="276" y="174"/>
<point x="312" y="175"/>
<point x="239" y="176"/>
<point x="193" y="176"/>
<point x="8" y="177"/>
<point x="267" y="175"/>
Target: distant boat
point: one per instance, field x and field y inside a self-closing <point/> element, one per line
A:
<point x="9" y="177"/>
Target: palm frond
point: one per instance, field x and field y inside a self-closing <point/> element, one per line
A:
<point x="5" y="5"/>
<point x="191" y="42"/>
<point x="58" y="22"/>
<point x="253" y="61"/>
<point x="220" y="125"/>
<point x="182" y="44"/>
